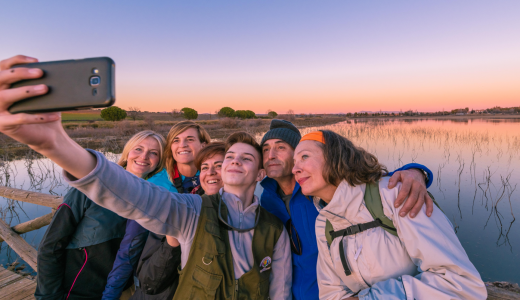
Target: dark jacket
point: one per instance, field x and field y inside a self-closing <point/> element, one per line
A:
<point x="126" y="260"/>
<point x="157" y="272"/>
<point x="303" y="217"/>
<point x="78" y="250"/>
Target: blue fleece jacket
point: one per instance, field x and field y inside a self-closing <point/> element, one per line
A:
<point x="303" y="217"/>
<point x="131" y="247"/>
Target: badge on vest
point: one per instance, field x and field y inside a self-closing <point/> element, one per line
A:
<point x="265" y="264"/>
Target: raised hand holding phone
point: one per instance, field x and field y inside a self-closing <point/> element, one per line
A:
<point x="42" y="132"/>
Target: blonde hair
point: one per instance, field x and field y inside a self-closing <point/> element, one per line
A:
<point x="174" y="132"/>
<point x="136" y="139"/>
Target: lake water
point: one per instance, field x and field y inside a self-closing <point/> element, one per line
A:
<point x="476" y="167"/>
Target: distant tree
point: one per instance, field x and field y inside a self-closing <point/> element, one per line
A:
<point x="190" y="113"/>
<point x="226" y="112"/>
<point x="113" y="113"/>
<point x="241" y="114"/>
<point x="175" y="113"/>
<point x="271" y="114"/>
<point x="134" y="112"/>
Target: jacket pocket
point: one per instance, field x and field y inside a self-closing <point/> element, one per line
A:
<point x="206" y="285"/>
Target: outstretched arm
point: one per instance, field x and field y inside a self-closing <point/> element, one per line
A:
<point x="108" y="185"/>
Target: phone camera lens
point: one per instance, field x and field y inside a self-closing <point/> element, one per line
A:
<point x="95" y="80"/>
<point x="95" y="71"/>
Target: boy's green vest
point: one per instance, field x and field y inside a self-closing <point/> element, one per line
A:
<point x="209" y="272"/>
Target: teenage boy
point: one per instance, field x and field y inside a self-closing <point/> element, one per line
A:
<point x="282" y="197"/>
<point x="232" y="248"/>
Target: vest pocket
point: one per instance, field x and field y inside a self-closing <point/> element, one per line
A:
<point x="214" y="230"/>
<point x="206" y="285"/>
<point x="263" y="289"/>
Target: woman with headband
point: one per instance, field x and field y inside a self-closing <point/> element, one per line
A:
<point x="365" y="250"/>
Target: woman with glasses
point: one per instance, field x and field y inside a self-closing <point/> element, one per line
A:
<point x="368" y="254"/>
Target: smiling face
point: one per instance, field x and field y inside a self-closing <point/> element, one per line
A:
<point x="308" y="171"/>
<point x="143" y="157"/>
<point x="210" y="177"/>
<point x="241" y="166"/>
<point x="186" y="145"/>
<point x="277" y="158"/>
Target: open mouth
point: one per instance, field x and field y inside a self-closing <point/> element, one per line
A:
<point x="183" y="152"/>
<point x="141" y="164"/>
<point x="214" y="181"/>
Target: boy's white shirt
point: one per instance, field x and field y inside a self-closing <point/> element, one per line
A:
<point x="177" y="215"/>
<point x="426" y="261"/>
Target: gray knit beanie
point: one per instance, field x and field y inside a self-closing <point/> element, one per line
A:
<point x="283" y="130"/>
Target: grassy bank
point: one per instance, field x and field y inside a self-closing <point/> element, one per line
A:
<point x="111" y="136"/>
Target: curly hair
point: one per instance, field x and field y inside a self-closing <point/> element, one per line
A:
<point x="345" y="161"/>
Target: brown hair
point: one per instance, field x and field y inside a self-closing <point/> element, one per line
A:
<point x="245" y="138"/>
<point x="208" y="152"/>
<point x="345" y="161"/>
<point x="136" y="139"/>
<point x="174" y="132"/>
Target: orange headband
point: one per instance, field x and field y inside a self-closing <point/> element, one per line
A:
<point x="314" y="136"/>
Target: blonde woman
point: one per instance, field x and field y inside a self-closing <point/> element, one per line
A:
<point x="382" y="256"/>
<point x="80" y="245"/>
<point x="184" y="142"/>
<point x="125" y="264"/>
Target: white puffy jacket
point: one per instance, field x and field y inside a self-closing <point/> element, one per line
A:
<point x="426" y="261"/>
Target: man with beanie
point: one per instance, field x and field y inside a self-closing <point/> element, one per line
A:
<point x="282" y="197"/>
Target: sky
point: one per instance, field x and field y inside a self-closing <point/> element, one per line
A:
<point x="333" y="56"/>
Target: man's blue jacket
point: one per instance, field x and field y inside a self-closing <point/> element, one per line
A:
<point x="303" y="217"/>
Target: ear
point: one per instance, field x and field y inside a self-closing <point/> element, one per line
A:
<point x="261" y="175"/>
<point x="202" y="145"/>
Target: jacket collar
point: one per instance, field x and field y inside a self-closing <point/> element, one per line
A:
<point x="343" y="209"/>
<point x="271" y="185"/>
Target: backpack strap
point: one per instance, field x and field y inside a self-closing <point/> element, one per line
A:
<point x="328" y="230"/>
<point x="375" y="207"/>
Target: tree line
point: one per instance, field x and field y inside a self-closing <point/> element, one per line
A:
<point x="115" y="113"/>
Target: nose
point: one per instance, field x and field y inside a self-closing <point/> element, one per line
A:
<point x="182" y="143"/>
<point x="145" y="155"/>
<point x="212" y="170"/>
<point x="272" y="153"/>
<point x="296" y="169"/>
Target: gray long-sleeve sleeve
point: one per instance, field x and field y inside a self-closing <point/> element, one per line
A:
<point x="155" y="208"/>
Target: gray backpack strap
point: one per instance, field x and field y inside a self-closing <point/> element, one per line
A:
<point x="375" y="207"/>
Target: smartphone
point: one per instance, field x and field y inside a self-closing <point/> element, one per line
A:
<point x="73" y="84"/>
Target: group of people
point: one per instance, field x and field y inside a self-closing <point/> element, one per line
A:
<point x="178" y="218"/>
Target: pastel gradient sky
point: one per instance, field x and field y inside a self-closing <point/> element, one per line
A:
<point x="309" y="56"/>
